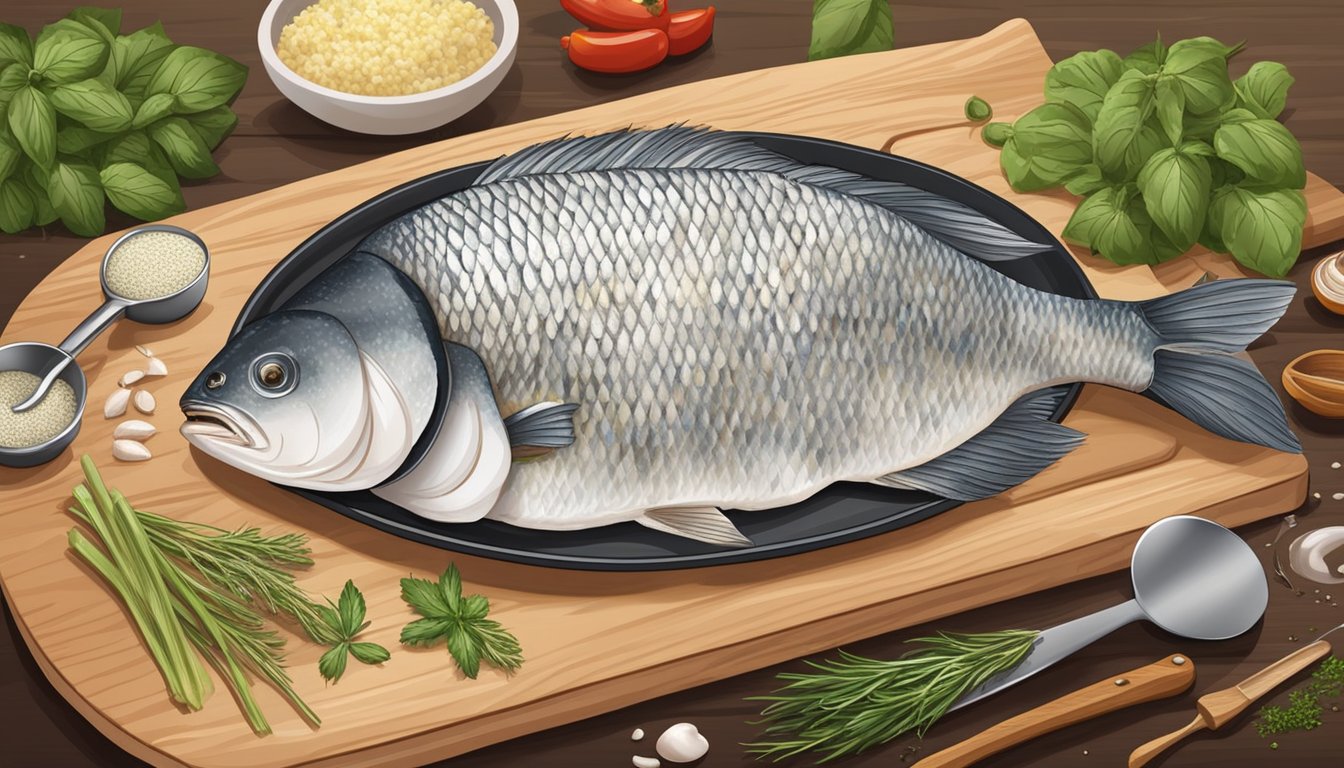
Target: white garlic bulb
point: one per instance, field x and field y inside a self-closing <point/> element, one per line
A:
<point x="682" y="743"/>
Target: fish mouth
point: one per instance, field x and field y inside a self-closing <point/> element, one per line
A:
<point x="220" y="423"/>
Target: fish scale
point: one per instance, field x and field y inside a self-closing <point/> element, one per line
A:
<point x="785" y="336"/>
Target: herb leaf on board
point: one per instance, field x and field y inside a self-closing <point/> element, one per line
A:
<point x="1264" y="89"/>
<point x="94" y="104"/>
<point x="1120" y="123"/>
<point x="1083" y="80"/>
<point x="1149" y="58"/>
<point x="978" y="110"/>
<point x="460" y="621"/>
<point x="1261" y="227"/>
<point x="67" y="51"/>
<point x="1199" y="65"/>
<point x="1264" y="150"/>
<point x="1175" y="187"/>
<point x="345" y="620"/>
<point x="845" y="27"/>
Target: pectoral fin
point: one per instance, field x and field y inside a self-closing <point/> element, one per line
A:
<point x="705" y="524"/>
<point x="539" y="429"/>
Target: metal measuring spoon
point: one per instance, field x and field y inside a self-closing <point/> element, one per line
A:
<point x="163" y="309"/>
<point x="1192" y="577"/>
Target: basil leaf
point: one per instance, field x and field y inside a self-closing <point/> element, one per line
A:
<point x="1262" y="228"/>
<point x="1057" y="132"/>
<point x="44" y="214"/>
<point x="1083" y="80"/>
<point x="17" y="209"/>
<point x="184" y="148"/>
<point x="997" y="134"/>
<point x="136" y="147"/>
<point x="844" y="27"/>
<point x="1264" y="89"/>
<point x="1201" y="126"/>
<point x="199" y="79"/>
<point x="1086" y="181"/>
<point x="135" y="58"/>
<point x="213" y="125"/>
<point x="978" y="110"/>
<point x="1114" y="223"/>
<point x="1199" y="65"/>
<point x="153" y="109"/>
<point x="1197" y="148"/>
<point x="10" y="155"/>
<point x="75" y="139"/>
<point x="33" y="123"/>
<point x="15" y="46"/>
<point x="138" y="192"/>
<point x="67" y="51"/>
<point x="93" y="103"/>
<point x="108" y="18"/>
<point x="12" y="78"/>
<point x="1264" y="150"/>
<point x="1031" y="173"/>
<point x="77" y="198"/>
<point x="1175" y="188"/>
<point x="1147" y="59"/>
<point x="1170" y="104"/>
<point x="1120" y="123"/>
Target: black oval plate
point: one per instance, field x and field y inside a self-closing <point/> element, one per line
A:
<point x="843" y="512"/>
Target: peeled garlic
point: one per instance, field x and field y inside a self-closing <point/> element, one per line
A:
<point x="144" y="402"/>
<point x="116" y="403"/>
<point x="129" y="450"/>
<point x="156" y="367"/>
<point x="134" y="429"/>
<point x="146" y="351"/>
<point x="682" y="743"/>
<point x="640" y="761"/>
<point x="1306" y="555"/>
<point x="130" y="377"/>
<point x="637" y="734"/>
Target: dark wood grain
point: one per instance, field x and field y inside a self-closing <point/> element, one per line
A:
<point x="277" y="143"/>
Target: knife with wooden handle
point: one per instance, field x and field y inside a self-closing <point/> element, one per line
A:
<point x="1167" y="677"/>
<point x="1219" y="707"/>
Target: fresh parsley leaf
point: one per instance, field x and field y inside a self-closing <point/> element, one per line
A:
<point x="845" y="27"/>
<point x="344" y="619"/>
<point x="1083" y="80"/>
<point x="1264" y="89"/>
<point x="458" y="621"/>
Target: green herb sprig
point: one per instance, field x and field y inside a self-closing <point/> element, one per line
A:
<point x="849" y="705"/>
<point x="1304" y="709"/>
<point x="1167" y="151"/>
<point x="461" y="621"/>
<point x="90" y="116"/>
<point x="847" y="27"/>
<point x="345" y="620"/>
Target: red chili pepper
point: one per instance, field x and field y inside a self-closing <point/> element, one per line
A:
<point x="616" y="52"/>
<point x="689" y="30"/>
<point x="619" y="15"/>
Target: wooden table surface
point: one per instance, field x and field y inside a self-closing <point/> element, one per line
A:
<point x="277" y="143"/>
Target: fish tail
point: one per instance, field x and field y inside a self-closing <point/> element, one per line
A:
<point x="1195" y="370"/>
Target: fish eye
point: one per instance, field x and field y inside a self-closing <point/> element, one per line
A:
<point x="215" y="380"/>
<point x="274" y="374"/>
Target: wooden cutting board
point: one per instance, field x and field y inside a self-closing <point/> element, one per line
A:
<point x="598" y="641"/>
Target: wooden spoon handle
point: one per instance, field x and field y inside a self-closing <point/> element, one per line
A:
<point x="1146" y="752"/>
<point x="1221" y="706"/>
<point x="1167" y="677"/>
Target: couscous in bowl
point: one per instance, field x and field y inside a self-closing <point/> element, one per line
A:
<point x="388" y="115"/>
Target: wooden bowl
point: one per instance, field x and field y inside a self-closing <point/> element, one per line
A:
<point x="1316" y="380"/>
<point x="1325" y="285"/>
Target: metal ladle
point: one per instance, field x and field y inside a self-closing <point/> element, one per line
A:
<point x="162" y="309"/>
<point x="1192" y="577"/>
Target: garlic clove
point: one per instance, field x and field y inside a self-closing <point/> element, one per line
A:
<point x="639" y="761"/>
<point x="134" y="429"/>
<point x="116" y="403"/>
<point x="144" y="401"/>
<point x="155" y="367"/>
<point x="142" y="349"/>
<point x="637" y="734"/>
<point x="129" y="450"/>
<point x="130" y="377"/>
<point x="682" y="743"/>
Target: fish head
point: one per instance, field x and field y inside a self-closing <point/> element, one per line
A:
<point x="284" y="400"/>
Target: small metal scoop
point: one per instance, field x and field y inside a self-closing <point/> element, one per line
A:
<point x="1192" y="577"/>
<point x="164" y="309"/>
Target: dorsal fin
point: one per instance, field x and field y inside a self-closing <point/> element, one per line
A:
<point x="682" y="146"/>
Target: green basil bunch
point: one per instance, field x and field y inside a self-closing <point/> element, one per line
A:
<point x="847" y="27"/>
<point x="1167" y="150"/>
<point x="89" y="115"/>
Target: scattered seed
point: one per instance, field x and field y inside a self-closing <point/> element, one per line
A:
<point x="156" y="367"/>
<point x="1337" y="496"/>
<point x="1316" y="495"/>
<point x="1084" y="753"/>
<point x="1268" y="544"/>
<point x="645" y="762"/>
<point x="144" y="402"/>
<point x="130" y="377"/>
<point x="1292" y="638"/>
<point x="142" y="349"/>
<point x="134" y="429"/>
<point x="129" y="450"/>
<point x="116" y="403"/>
<point x="1335" y="465"/>
<point x="637" y="735"/>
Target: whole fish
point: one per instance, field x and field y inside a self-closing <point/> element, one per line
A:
<point x="679" y="321"/>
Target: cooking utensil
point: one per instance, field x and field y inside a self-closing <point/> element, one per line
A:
<point x="388" y="115"/>
<point x="1191" y="577"/>
<point x="1158" y="680"/>
<point x="49" y="363"/>
<point x="1220" y="707"/>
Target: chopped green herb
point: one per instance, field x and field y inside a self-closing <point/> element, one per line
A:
<point x="1304" y="709"/>
<point x="461" y="621"/>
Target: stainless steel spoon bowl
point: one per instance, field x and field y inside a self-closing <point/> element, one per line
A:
<point x="34" y="356"/>
<point x="163" y="309"/>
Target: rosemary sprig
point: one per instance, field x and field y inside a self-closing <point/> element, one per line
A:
<point x="854" y="703"/>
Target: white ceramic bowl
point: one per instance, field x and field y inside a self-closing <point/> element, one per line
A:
<point x="388" y="115"/>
